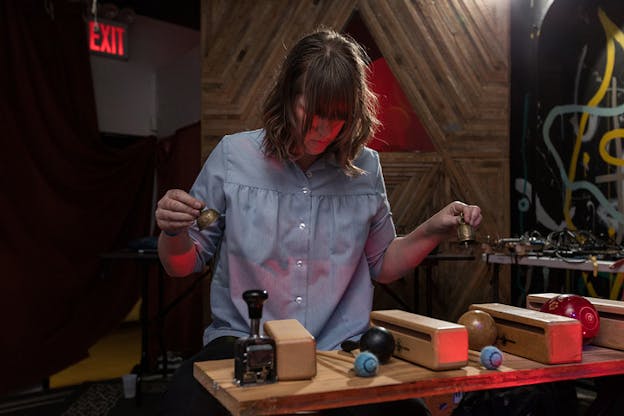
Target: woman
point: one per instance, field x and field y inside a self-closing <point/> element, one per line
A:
<point x="304" y="212"/>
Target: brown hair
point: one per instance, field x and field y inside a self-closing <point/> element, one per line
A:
<point x="330" y="70"/>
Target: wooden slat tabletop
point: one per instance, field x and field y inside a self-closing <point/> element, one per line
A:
<point x="336" y="385"/>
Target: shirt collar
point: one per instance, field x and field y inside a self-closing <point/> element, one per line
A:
<point x="326" y="159"/>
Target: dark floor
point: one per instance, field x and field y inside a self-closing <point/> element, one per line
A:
<point x="91" y="399"/>
<point x="147" y="404"/>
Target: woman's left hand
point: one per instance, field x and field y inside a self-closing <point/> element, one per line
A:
<point x="445" y="221"/>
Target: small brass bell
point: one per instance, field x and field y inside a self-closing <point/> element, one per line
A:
<point x="207" y="217"/>
<point x="465" y="232"/>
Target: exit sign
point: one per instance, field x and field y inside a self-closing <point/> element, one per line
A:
<point x="108" y="38"/>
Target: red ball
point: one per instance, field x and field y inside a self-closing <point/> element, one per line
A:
<point x="577" y="307"/>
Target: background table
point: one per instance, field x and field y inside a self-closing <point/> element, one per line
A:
<point x="149" y="261"/>
<point x="577" y="264"/>
<point x="555" y="262"/>
<point x="429" y="263"/>
<point x="335" y="384"/>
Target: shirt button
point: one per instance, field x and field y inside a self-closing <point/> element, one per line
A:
<point x="302" y="226"/>
<point x="309" y="174"/>
<point x="299" y="263"/>
<point x="305" y="191"/>
<point x="298" y="300"/>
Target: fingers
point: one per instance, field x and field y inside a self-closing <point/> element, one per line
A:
<point x="471" y="213"/>
<point x="182" y="200"/>
<point x="177" y="210"/>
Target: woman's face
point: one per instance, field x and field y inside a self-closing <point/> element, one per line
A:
<point x="322" y="132"/>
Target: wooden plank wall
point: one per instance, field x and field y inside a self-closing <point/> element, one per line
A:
<point x="451" y="58"/>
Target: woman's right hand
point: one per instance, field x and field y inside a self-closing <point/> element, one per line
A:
<point x="176" y="211"/>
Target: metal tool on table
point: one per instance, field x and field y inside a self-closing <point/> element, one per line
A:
<point x="254" y="356"/>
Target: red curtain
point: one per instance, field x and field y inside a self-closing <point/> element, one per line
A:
<point x="65" y="196"/>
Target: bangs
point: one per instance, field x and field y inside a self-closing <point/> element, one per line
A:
<point x="328" y="106"/>
<point x="331" y="97"/>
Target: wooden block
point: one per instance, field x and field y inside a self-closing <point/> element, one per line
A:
<point x="538" y="336"/>
<point x="295" y="349"/>
<point x="611" y="313"/>
<point x="432" y="343"/>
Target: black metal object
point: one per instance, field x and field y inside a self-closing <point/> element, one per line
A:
<point x="254" y="356"/>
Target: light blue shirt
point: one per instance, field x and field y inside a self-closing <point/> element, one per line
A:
<point x="313" y="240"/>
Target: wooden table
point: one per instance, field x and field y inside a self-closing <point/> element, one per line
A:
<point x="335" y="384"/>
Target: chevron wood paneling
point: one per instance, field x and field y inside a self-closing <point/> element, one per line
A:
<point x="451" y="58"/>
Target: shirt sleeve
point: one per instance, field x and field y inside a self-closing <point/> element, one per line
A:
<point x="382" y="230"/>
<point x="208" y="187"/>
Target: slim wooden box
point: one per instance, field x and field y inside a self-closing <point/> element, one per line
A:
<point x="611" y="313"/>
<point x="538" y="336"/>
<point x="432" y="343"/>
<point x="295" y="349"/>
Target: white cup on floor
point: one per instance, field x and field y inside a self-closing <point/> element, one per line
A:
<point x="129" y="385"/>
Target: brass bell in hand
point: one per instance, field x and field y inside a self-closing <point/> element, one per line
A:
<point x="207" y="217"/>
<point x="465" y="232"/>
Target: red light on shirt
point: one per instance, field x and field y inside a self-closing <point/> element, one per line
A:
<point x="108" y="39"/>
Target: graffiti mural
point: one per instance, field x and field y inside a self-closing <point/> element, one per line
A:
<point x="569" y="172"/>
<point x="567" y="126"/>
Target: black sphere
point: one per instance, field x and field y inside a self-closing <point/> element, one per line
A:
<point x="379" y="341"/>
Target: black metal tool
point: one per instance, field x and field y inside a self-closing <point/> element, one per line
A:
<point x="254" y="356"/>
